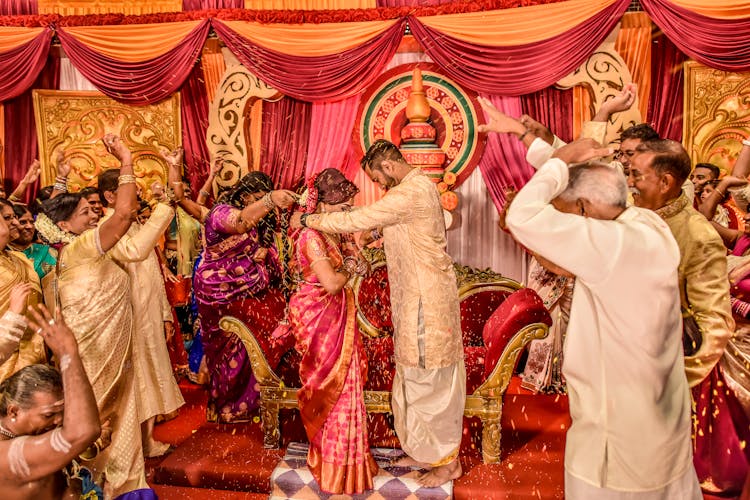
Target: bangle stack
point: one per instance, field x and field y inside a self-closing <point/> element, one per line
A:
<point x="61" y="184"/>
<point x="746" y="142"/>
<point x="267" y="201"/>
<point x="204" y="193"/>
<point x="303" y="220"/>
<point x="126" y="179"/>
<point x="719" y="192"/>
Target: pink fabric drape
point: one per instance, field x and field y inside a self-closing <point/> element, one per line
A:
<point x="503" y="163"/>
<point x="331" y="125"/>
<point x="520" y="69"/>
<point x="140" y="82"/>
<point x="212" y="4"/>
<point x="19" y="7"/>
<point x="284" y="140"/>
<point x="20" y="128"/>
<point x="20" y="67"/>
<point x="718" y="43"/>
<point x="325" y="78"/>
<point x="194" y="114"/>
<point x="552" y="107"/>
<point x="665" y="100"/>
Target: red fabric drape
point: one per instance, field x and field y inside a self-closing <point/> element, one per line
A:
<point x="325" y="78"/>
<point x="519" y="69"/>
<point x="665" y="100"/>
<point x="142" y="82"/>
<point x="718" y="43"/>
<point x="330" y="146"/>
<point x="20" y="128"/>
<point x="194" y="114"/>
<point x="19" y="7"/>
<point x="552" y="107"/>
<point x="503" y="163"/>
<point x="212" y="4"/>
<point x="20" y="67"/>
<point x="284" y="141"/>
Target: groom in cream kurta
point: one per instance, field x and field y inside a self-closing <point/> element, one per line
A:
<point x="429" y="388"/>
<point x="623" y="361"/>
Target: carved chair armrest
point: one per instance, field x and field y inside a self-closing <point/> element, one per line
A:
<point x="261" y="369"/>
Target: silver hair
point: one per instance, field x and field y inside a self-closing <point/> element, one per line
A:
<point x="598" y="183"/>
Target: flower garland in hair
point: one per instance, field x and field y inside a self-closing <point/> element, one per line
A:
<point x="311" y="202"/>
<point x="51" y="232"/>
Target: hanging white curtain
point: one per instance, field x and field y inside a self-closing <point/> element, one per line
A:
<point x="475" y="239"/>
<point x="71" y="78"/>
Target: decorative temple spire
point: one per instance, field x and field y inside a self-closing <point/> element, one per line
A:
<point x="418" y="136"/>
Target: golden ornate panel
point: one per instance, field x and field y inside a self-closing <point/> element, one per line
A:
<point x="716" y="114"/>
<point x="75" y="122"/>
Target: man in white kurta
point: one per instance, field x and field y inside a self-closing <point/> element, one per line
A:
<point x="429" y="388"/>
<point x="623" y="361"/>
<point x="157" y="391"/>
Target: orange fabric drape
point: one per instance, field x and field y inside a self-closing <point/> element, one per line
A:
<point x="310" y="40"/>
<point x="634" y="45"/>
<point x="213" y="67"/>
<point x="127" y="7"/>
<point x="582" y="108"/>
<point x="256" y="131"/>
<point x="309" y="4"/>
<point x="12" y="36"/>
<point x="725" y="9"/>
<point x="519" y="26"/>
<point x="133" y="42"/>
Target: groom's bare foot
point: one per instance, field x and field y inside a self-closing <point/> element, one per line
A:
<point x="407" y="461"/>
<point x="441" y="475"/>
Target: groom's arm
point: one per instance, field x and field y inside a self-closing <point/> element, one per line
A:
<point x="395" y="207"/>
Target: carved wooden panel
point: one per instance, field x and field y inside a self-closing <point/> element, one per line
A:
<point x="604" y="74"/>
<point x="75" y="122"/>
<point x="228" y="133"/>
<point x="716" y="114"/>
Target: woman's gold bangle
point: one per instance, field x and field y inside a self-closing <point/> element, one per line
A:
<point x="126" y="179"/>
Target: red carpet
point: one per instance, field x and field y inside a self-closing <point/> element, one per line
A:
<point x="227" y="462"/>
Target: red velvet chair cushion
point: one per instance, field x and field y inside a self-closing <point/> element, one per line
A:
<point x="374" y="299"/>
<point x="475" y="311"/>
<point x="521" y="308"/>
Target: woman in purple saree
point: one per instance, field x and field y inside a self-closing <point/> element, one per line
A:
<point x="237" y="277"/>
<point x="322" y="316"/>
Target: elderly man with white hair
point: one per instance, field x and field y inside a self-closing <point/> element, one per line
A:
<point x="623" y="360"/>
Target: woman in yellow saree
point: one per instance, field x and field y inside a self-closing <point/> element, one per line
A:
<point x="94" y="296"/>
<point x="16" y="269"/>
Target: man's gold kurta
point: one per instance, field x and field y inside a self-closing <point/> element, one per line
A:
<point x="704" y="287"/>
<point x="420" y="272"/>
<point x="157" y="390"/>
<point x="15" y="268"/>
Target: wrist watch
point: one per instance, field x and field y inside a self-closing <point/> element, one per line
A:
<point x="303" y="220"/>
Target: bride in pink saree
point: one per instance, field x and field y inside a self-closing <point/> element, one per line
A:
<point x="322" y="316"/>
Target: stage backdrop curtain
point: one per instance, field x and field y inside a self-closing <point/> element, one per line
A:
<point x="126" y="78"/>
<point x="212" y="4"/>
<point x="552" y="107"/>
<point x="23" y="54"/>
<point x="331" y="126"/>
<point x="332" y="74"/>
<point x="716" y="34"/>
<point x="667" y="88"/>
<point x="194" y="114"/>
<point x="509" y="52"/>
<point x="20" y="127"/>
<point x="634" y="45"/>
<point x="284" y="140"/>
<point x="18" y="7"/>
<point x="72" y="79"/>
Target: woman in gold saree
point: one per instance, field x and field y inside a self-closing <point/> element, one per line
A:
<point x="16" y="269"/>
<point x="94" y="296"/>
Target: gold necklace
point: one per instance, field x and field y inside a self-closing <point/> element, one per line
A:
<point x="5" y="432"/>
